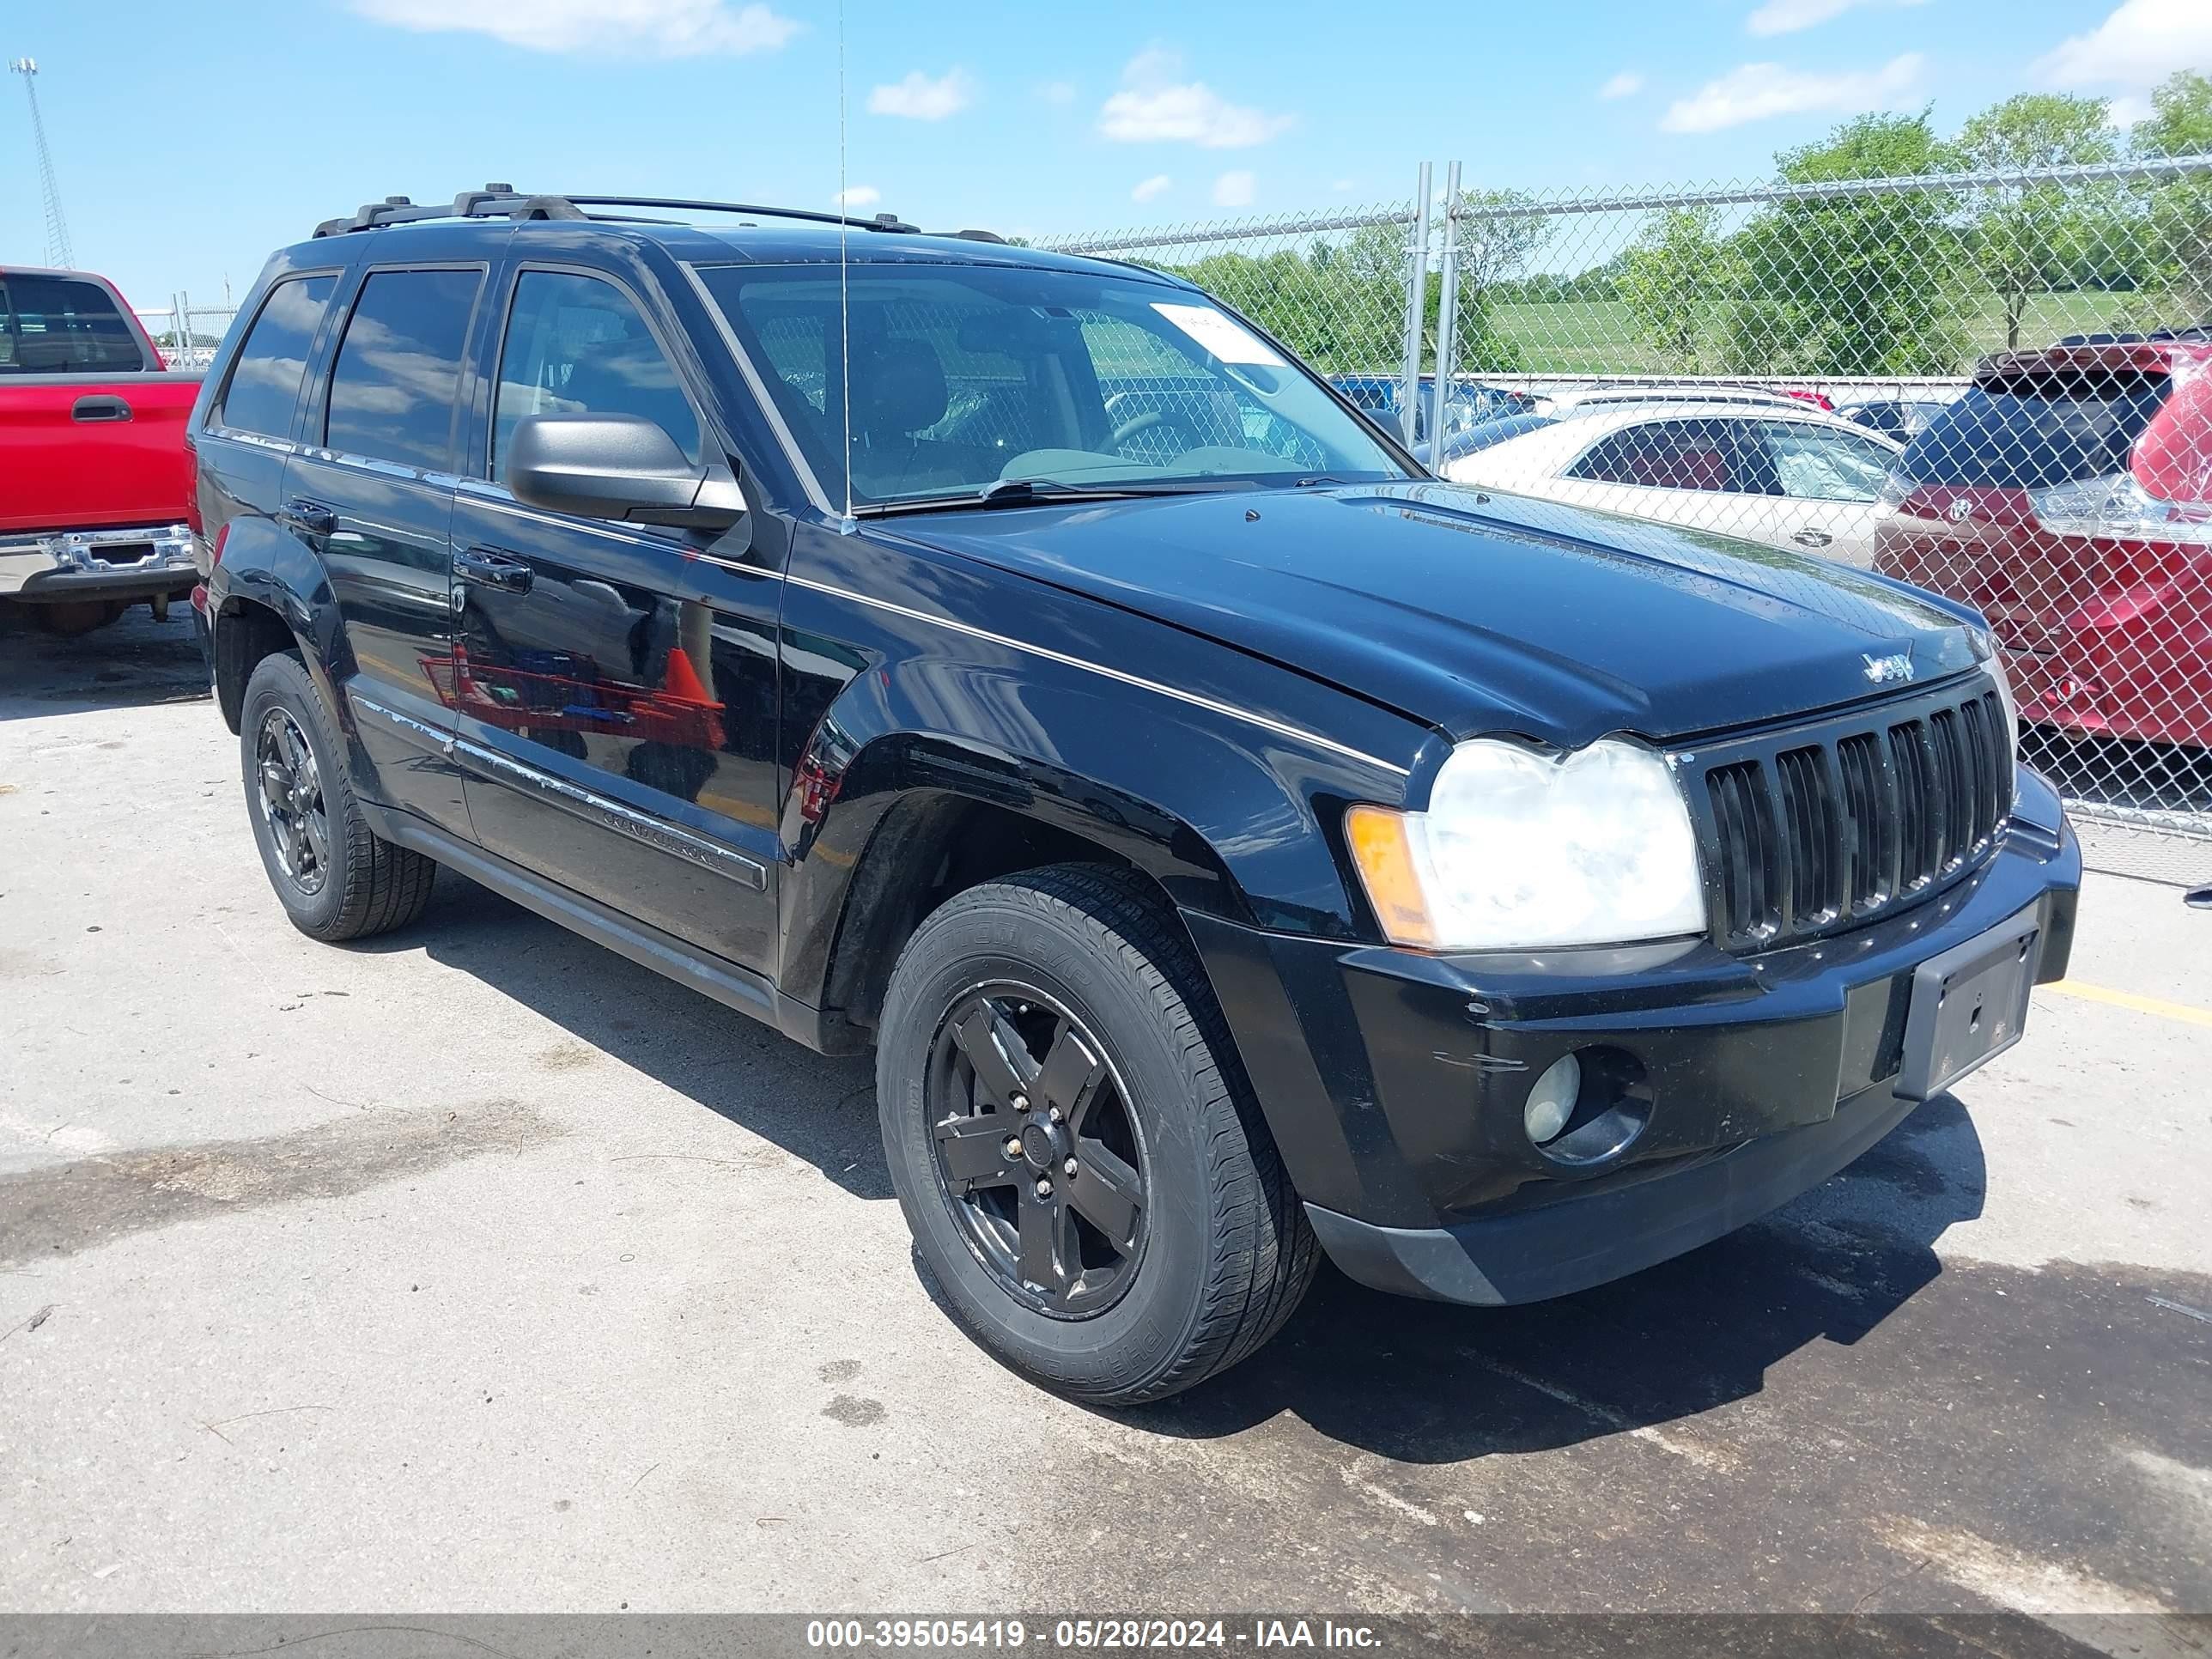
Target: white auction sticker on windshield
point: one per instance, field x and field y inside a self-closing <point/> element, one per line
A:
<point x="1224" y="336"/>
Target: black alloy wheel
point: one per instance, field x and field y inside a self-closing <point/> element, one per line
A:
<point x="291" y="800"/>
<point x="1040" y="1156"/>
<point x="1093" y="1192"/>
<point x="335" y="876"/>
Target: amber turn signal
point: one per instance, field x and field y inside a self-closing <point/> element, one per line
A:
<point x="1384" y="853"/>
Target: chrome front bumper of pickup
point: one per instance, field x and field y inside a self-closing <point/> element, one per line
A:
<point x="94" y="563"/>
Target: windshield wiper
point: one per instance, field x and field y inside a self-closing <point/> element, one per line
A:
<point x="1015" y="491"/>
<point x="1024" y="492"/>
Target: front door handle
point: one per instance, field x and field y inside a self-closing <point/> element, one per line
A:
<point x="100" y="406"/>
<point x="1813" y="539"/>
<point x="308" y="517"/>
<point x="490" y="568"/>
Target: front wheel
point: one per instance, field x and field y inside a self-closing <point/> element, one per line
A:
<point x="1074" y="1144"/>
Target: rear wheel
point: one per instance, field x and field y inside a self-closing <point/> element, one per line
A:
<point x="1074" y="1144"/>
<point x="337" y="878"/>
<point x="69" y="618"/>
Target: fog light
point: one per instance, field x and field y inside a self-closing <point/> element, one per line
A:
<point x="1551" y="1102"/>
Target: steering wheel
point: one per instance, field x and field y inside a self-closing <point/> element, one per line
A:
<point x="1143" y="421"/>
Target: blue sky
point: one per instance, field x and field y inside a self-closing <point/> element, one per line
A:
<point x="191" y="142"/>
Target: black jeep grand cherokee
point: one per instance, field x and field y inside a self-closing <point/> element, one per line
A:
<point x="1236" y="844"/>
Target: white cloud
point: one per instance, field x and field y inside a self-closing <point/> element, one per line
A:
<point x="920" y="98"/>
<point x="1759" y="92"/>
<point x="858" y="196"/>
<point x="1233" y="188"/>
<point x="1344" y="186"/>
<point x="1057" y="92"/>
<point x="1788" y="17"/>
<point x="1626" y="84"/>
<point x="2142" y="43"/>
<point x="665" y="28"/>
<point x="1153" y="107"/>
<point x="1152" y="187"/>
<point x="2128" y="109"/>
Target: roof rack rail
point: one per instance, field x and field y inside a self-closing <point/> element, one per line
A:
<point x="497" y="201"/>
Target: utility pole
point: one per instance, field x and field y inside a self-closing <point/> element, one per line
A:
<point x="58" y="241"/>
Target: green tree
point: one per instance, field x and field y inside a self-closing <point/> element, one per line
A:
<point x="1496" y="238"/>
<point x="1851" y="284"/>
<point x="1673" y="280"/>
<point x="1331" y="310"/>
<point x="2180" y="121"/>
<point x="2025" y="238"/>
<point x="2179" y="212"/>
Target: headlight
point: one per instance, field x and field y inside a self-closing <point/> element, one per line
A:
<point x="1985" y="647"/>
<point x="1519" y="850"/>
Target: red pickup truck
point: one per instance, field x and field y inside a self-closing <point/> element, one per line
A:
<point x="94" y="473"/>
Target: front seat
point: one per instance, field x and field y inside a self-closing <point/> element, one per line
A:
<point x="628" y="375"/>
<point x="898" y="392"/>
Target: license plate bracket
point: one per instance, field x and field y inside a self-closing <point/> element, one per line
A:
<point x="1968" y="1005"/>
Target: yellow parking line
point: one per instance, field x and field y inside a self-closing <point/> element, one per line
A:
<point x="2164" y="1009"/>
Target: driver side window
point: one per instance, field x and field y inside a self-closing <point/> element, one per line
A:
<point x="576" y="345"/>
<point x="1816" y="464"/>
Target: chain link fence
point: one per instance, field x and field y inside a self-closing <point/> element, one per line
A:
<point x="1998" y="385"/>
<point x="187" y="335"/>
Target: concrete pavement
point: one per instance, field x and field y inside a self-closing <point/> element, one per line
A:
<point x="477" y="1268"/>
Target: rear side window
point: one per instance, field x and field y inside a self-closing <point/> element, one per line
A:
<point x="576" y="345"/>
<point x="62" y="326"/>
<point x="2031" y="433"/>
<point x="392" y="386"/>
<point x="1668" y="455"/>
<point x="265" y="381"/>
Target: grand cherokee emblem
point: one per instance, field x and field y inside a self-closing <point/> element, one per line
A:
<point x="1893" y="669"/>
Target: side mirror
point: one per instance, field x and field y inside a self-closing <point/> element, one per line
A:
<point x="622" y="467"/>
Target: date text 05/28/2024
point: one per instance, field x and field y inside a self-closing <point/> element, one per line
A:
<point x="1087" y="1634"/>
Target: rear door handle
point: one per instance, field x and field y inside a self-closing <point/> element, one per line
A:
<point x="309" y="517"/>
<point x="1811" y="538"/>
<point x="100" y="406"/>
<point x="490" y="568"/>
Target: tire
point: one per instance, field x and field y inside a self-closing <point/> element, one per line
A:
<point x="1218" y="1253"/>
<point x="68" y="619"/>
<point x="337" y="878"/>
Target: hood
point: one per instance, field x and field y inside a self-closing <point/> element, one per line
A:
<point x="1488" y="613"/>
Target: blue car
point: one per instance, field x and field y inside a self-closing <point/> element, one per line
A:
<point x="1471" y="402"/>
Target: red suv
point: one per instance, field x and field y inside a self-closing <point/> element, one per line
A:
<point x="2068" y="494"/>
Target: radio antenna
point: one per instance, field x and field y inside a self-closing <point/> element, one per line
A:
<point x="844" y="300"/>
<point x="58" y="251"/>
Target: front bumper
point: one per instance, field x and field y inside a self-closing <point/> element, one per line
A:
<point x="140" y="563"/>
<point x="1396" y="1083"/>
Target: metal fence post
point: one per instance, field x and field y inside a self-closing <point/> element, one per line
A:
<point x="1417" y="284"/>
<point x="1447" y="312"/>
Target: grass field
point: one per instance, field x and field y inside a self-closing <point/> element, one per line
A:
<point x="1598" y="336"/>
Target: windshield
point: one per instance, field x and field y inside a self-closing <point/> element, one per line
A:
<point x="2037" y="431"/>
<point x="965" y="376"/>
